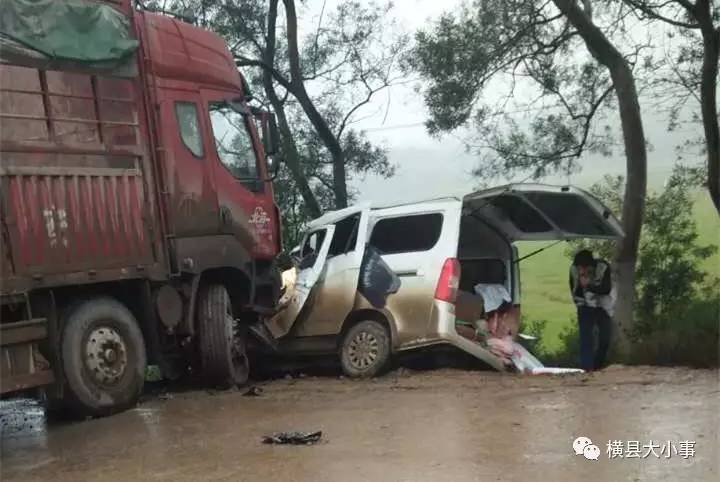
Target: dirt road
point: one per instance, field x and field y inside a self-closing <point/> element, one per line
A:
<point x="442" y="425"/>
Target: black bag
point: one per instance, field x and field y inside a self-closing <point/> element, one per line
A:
<point x="377" y="279"/>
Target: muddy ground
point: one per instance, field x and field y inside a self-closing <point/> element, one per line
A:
<point x="439" y="425"/>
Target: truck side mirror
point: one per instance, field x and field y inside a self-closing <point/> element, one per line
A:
<point x="273" y="164"/>
<point x="270" y="139"/>
<point x="271" y="143"/>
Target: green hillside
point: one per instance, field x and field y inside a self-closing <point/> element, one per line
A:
<point x="545" y="293"/>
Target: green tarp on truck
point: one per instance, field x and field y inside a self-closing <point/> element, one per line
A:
<point x="66" y="34"/>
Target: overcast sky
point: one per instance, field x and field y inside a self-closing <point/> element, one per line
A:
<point x="434" y="167"/>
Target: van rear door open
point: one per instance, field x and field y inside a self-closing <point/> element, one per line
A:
<point x="536" y="212"/>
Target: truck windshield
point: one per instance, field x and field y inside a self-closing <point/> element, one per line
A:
<point x="233" y="140"/>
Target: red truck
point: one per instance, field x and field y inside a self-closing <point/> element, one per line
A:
<point x="138" y="224"/>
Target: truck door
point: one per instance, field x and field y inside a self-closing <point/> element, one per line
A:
<point x="244" y="193"/>
<point x="191" y="199"/>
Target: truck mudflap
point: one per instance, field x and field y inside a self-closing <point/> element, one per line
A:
<point x="22" y="365"/>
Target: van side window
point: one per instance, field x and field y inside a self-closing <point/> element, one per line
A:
<point x="345" y="237"/>
<point x="407" y="234"/>
<point x="187" y="119"/>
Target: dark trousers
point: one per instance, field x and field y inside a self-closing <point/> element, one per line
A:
<point x="592" y="358"/>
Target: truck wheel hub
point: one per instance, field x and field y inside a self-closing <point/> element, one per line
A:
<point x="110" y="355"/>
<point x="105" y="355"/>
<point x="363" y="350"/>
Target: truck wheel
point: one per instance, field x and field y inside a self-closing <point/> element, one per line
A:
<point x="365" y="349"/>
<point x="103" y="356"/>
<point x="222" y="339"/>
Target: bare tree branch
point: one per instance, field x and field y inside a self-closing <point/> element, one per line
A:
<point x="652" y="11"/>
<point x="247" y="62"/>
<point x="317" y="120"/>
<point x="289" y="147"/>
<point x="317" y="36"/>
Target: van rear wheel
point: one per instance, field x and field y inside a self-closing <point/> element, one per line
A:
<point x="104" y="359"/>
<point x="365" y="349"/>
<point x="222" y="339"/>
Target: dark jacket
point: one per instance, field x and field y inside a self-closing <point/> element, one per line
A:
<point x="599" y="292"/>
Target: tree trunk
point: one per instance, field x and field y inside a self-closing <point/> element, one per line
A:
<point x="636" y="163"/>
<point x="290" y="152"/>
<point x="633" y="201"/>
<point x="291" y="156"/>
<point x="321" y="126"/>
<point x="708" y="97"/>
<point x="625" y="285"/>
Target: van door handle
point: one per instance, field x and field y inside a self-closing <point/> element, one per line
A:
<point x="411" y="272"/>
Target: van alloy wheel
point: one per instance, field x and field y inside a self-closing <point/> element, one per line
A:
<point x="365" y="349"/>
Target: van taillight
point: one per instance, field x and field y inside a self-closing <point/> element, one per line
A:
<point x="449" y="281"/>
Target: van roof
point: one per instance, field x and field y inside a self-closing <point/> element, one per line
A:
<point x="417" y="201"/>
<point x="331" y="217"/>
<point x="524" y="211"/>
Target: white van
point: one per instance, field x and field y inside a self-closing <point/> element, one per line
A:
<point x="435" y="247"/>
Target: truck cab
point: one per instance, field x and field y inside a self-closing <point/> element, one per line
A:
<point x="215" y="164"/>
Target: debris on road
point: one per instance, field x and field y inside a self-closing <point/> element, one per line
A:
<point x="253" y="392"/>
<point x="293" y="438"/>
<point x="153" y="374"/>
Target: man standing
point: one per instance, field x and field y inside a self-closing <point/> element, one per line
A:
<point x="594" y="296"/>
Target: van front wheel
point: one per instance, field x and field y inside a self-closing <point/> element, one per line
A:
<point x="365" y="349"/>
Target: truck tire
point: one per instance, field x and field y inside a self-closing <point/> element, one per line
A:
<point x="104" y="359"/>
<point x="222" y="339"/>
<point x="365" y="349"/>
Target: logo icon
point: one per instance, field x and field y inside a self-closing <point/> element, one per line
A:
<point x="584" y="446"/>
<point x="261" y="222"/>
<point x="259" y="217"/>
<point x="580" y="443"/>
<point x="591" y="452"/>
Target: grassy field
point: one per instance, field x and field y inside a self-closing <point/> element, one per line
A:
<point x="545" y="292"/>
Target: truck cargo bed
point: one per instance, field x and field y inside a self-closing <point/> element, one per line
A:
<point x="75" y="182"/>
